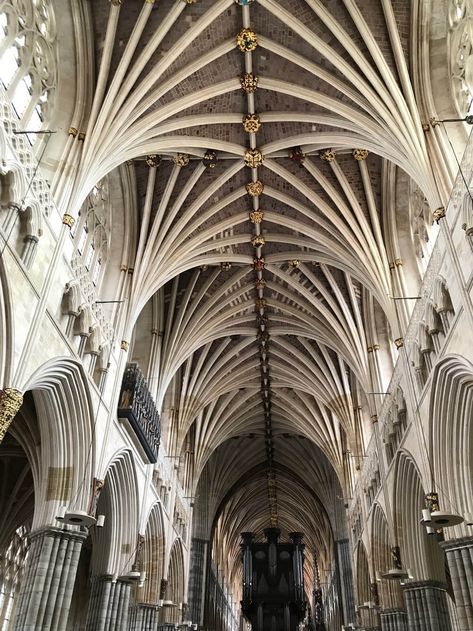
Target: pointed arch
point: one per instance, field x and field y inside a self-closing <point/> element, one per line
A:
<point x="153" y="555"/>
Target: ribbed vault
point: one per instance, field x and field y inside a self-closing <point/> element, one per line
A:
<point x="254" y="315"/>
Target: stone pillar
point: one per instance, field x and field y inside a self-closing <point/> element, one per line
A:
<point x="108" y="606"/>
<point x="48" y="582"/>
<point x="144" y="617"/>
<point x="427" y="608"/>
<point x="343" y="556"/>
<point x="197" y="575"/>
<point x="394" y="620"/>
<point x="459" y="554"/>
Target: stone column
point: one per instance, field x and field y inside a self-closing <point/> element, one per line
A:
<point x="460" y="562"/>
<point x="343" y="556"/>
<point x="197" y="575"/>
<point x="108" y="606"/>
<point x="394" y="620"/>
<point x="427" y="608"/>
<point x="144" y="617"/>
<point x="48" y="581"/>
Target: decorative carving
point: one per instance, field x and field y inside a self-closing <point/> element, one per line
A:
<point x="137" y="405"/>
<point x="153" y="161"/>
<point x="249" y="82"/>
<point x="297" y="155"/>
<point x="124" y="345"/>
<point x="72" y="131"/>
<point x="68" y="220"/>
<point x="295" y="263"/>
<point x="10" y="402"/>
<point x="246" y="40"/>
<point x="255" y="189"/>
<point x="251" y="123"/>
<point x="97" y="486"/>
<point x="260" y="303"/>
<point x="260" y="283"/>
<point x="438" y="214"/>
<point x="258" y="240"/>
<point x="256" y="216"/>
<point x="258" y="264"/>
<point x="181" y="159"/>
<point x="253" y="158"/>
<point x="399" y="342"/>
<point x="210" y="159"/>
<point x="328" y="155"/>
<point x="225" y="266"/>
<point x="360" y="154"/>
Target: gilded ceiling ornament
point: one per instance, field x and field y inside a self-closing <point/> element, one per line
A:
<point x="249" y="82"/>
<point x="124" y="345"/>
<point x="72" y="131"/>
<point x="260" y="283"/>
<point x="247" y="40"/>
<point x="10" y="402"/>
<point x="399" y="342"/>
<point x="256" y="216"/>
<point x="251" y="123"/>
<point x="81" y="136"/>
<point x="258" y="264"/>
<point x="181" y="159"/>
<point x="260" y="303"/>
<point x="262" y="320"/>
<point x="254" y="189"/>
<point x="258" y="240"/>
<point x="295" y="263"/>
<point x="244" y="3"/>
<point x="438" y="214"/>
<point x="225" y="266"/>
<point x="68" y="220"/>
<point x="253" y="158"/>
<point x="153" y="161"/>
<point x="360" y="154"/>
<point x="210" y="159"/>
<point x="328" y="155"/>
<point x="297" y="155"/>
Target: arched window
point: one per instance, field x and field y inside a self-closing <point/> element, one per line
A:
<point x="11" y="570"/>
<point x="28" y="67"/>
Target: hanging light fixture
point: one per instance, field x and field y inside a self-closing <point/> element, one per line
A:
<point x="396" y="573"/>
<point x="435" y="519"/>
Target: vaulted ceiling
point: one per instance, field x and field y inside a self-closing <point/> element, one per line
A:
<point x="263" y="162"/>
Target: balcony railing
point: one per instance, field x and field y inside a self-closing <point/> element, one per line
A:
<point x="137" y="405"/>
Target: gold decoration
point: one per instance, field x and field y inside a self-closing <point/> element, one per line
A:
<point x="251" y="123"/>
<point x="225" y="266"/>
<point x="258" y="240"/>
<point x="369" y="349"/>
<point x="297" y="155"/>
<point x="10" y="402"/>
<point x="328" y="155"/>
<point x="181" y="159"/>
<point x="81" y="136"/>
<point x="434" y="122"/>
<point x="438" y="214"/>
<point x="374" y="418"/>
<point x="72" y="131"/>
<point x="210" y="159"/>
<point x="255" y="189"/>
<point x="260" y="303"/>
<point x="398" y="262"/>
<point x="249" y="82"/>
<point x="295" y="262"/>
<point x="399" y="342"/>
<point x="256" y="216"/>
<point x="246" y="40"/>
<point x="68" y="220"/>
<point x="153" y="161"/>
<point x="258" y="264"/>
<point x="253" y="158"/>
<point x="360" y="154"/>
<point x="124" y="345"/>
<point x="260" y="283"/>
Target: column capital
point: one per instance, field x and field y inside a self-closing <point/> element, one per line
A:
<point x="457" y="544"/>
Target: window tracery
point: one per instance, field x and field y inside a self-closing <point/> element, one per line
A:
<point x="11" y="571"/>
<point x="28" y="60"/>
<point x="460" y="23"/>
<point x="421" y="226"/>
